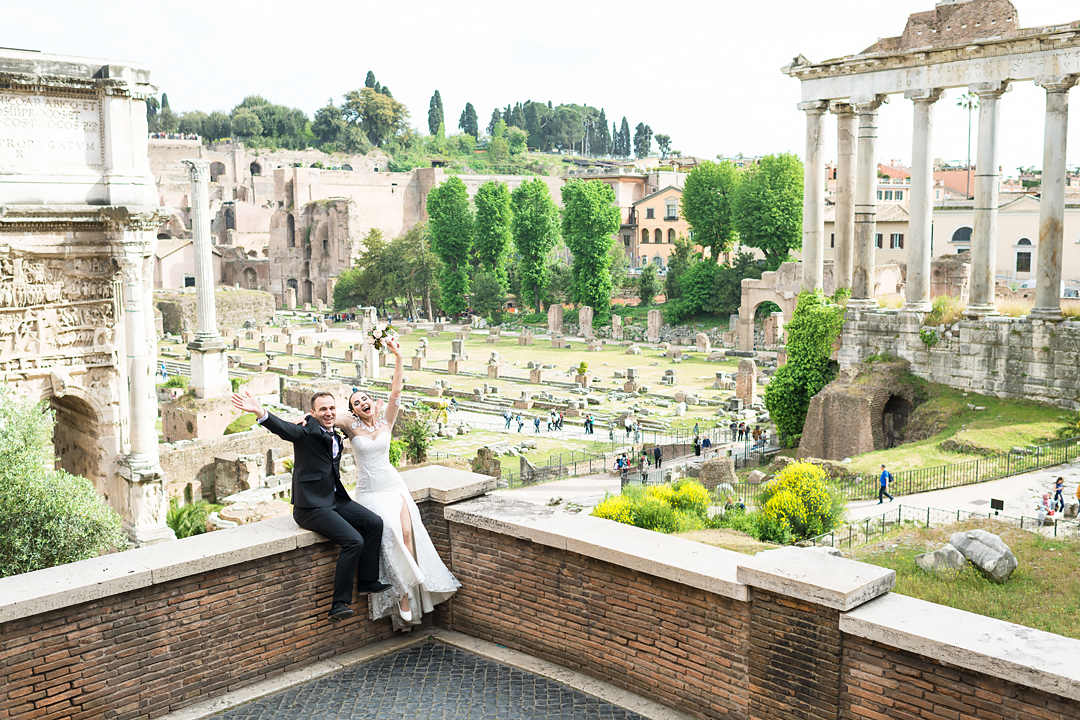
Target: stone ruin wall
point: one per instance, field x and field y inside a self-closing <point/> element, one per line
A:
<point x="192" y="462"/>
<point x="234" y="307"/>
<point x="1001" y="356"/>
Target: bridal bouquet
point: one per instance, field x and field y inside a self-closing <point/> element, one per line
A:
<point x="379" y="335"/>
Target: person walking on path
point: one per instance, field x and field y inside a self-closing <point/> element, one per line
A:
<point x="697" y="446"/>
<point x="1059" y="499"/>
<point x="536" y="424"/>
<point x="507" y="417"/>
<point x="657" y="456"/>
<point x="883" y="488"/>
<point x="520" y="422"/>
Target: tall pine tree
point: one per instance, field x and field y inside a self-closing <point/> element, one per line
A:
<point x="435" y="118"/>
<point x="603" y="135"/>
<point x="624" y="139"/>
<point x="468" y="121"/>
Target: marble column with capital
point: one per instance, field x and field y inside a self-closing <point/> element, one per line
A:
<point x="844" y="224"/>
<point x="209" y="368"/>
<point x="145" y="503"/>
<point x="862" y="272"/>
<point x="813" y="249"/>
<point x="919" y="252"/>
<point x="987" y="176"/>
<point x="1052" y="201"/>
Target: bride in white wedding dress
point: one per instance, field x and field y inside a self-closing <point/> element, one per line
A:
<point x="408" y="560"/>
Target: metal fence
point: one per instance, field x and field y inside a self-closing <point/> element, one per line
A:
<point x="872" y="528"/>
<point x="941" y="477"/>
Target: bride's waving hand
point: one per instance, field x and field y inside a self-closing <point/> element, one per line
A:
<point x="394" y="403"/>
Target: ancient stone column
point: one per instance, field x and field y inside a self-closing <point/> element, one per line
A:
<point x="585" y="318"/>
<point x="655" y="322"/>
<point x="813" y="250"/>
<point x="209" y="370"/>
<point x="844" y="224"/>
<point x="862" y="273"/>
<point x="145" y="505"/>
<point x="919" y="252"/>
<point x="984" y="238"/>
<point x="1052" y="203"/>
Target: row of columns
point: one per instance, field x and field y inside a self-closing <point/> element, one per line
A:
<point x="856" y="198"/>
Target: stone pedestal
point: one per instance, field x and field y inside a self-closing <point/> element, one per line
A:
<point x="209" y="369"/>
<point x="452" y="365"/>
<point x="524" y="402"/>
<point x="558" y="342"/>
<point x="655" y="323"/>
<point x="457" y="347"/>
<point x="718" y="471"/>
<point x="555" y="319"/>
<point x="360" y="368"/>
<point x="594" y="346"/>
<point x="493" y="371"/>
<point x="630" y="386"/>
<point x="493" y="336"/>
<point x="616" y="327"/>
<point x="536" y="376"/>
<point x="585" y="318"/>
<point x="290" y="298"/>
<point x="417" y="361"/>
<point x="582" y="380"/>
<point x="702" y="343"/>
<point x="746" y="381"/>
<point x="526" y="337"/>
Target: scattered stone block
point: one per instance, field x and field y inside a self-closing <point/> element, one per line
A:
<point x="946" y="558"/>
<point x="987" y="552"/>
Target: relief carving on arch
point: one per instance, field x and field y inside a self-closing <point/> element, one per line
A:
<point x="56" y="312"/>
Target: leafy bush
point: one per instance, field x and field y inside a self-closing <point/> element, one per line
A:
<point x="176" y="381"/>
<point x="615" y="507"/>
<point x="190" y="519"/>
<point x="49" y="517"/>
<point x="945" y="311"/>
<point x="235" y="383"/>
<point x="929" y="337"/>
<point x="799" y="500"/>
<point x="690" y="496"/>
<point x="416" y="434"/>
<point x="655" y="514"/>
<point x="242" y="423"/>
<point x="397" y="449"/>
<point x="532" y="318"/>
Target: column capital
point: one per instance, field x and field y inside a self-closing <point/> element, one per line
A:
<point x="814" y="106"/>
<point x="841" y="107"/>
<point x="198" y="169"/>
<point x="864" y="104"/>
<point x="991" y="90"/>
<point x="925" y="96"/>
<point x="1057" y="83"/>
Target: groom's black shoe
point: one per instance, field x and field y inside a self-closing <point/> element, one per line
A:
<point x="340" y="611"/>
<point x="375" y="587"/>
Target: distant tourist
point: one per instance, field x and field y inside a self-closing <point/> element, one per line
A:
<point x="644" y="458"/>
<point x="706" y="444"/>
<point x="883" y="488"/>
<point x="734" y="428"/>
<point x="1043" y="510"/>
<point x="697" y="446"/>
<point x="520" y="422"/>
<point x="536" y="424"/>
<point x="657" y="456"/>
<point x="507" y="417"/>
<point x="1059" y="498"/>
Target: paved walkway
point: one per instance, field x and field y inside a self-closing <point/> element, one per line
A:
<point x="430" y="681"/>
<point x="1021" y="494"/>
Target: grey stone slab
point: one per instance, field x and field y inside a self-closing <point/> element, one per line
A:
<point x="822" y="579"/>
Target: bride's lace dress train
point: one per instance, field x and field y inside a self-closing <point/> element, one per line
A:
<point x="425" y="578"/>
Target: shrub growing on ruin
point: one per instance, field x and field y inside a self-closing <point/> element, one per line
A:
<point x="49" y="517"/>
<point x="814" y="328"/>
<point x="799" y="500"/>
<point x="190" y="519"/>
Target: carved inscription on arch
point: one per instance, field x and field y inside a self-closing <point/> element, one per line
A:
<point x="41" y="131"/>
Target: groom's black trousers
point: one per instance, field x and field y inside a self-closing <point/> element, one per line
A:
<point x="359" y="533"/>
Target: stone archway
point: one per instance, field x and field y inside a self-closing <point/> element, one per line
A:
<point x="217" y="170"/>
<point x="780" y="287"/>
<point x="251" y="279"/>
<point x="77" y="437"/>
<point x="894" y="418"/>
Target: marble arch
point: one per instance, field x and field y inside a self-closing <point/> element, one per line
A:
<point x="78" y="228"/>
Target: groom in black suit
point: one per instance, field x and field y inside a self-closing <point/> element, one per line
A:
<point x="320" y="502"/>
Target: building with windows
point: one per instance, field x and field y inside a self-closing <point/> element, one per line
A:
<point x="655" y="223"/>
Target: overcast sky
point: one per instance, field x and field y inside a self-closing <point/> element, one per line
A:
<point x="706" y="73"/>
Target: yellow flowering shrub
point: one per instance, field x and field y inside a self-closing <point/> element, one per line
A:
<point x="616" y="507"/>
<point x="691" y="497"/>
<point x="800" y="497"/>
<point x="663" y="493"/>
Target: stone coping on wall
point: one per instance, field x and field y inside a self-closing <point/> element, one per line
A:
<point x="65" y="585"/>
<point x="683" y="561"/>
<point x="1016" y="653"/>
<point x="816" y="577"/>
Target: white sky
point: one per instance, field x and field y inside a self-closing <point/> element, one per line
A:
<point x="706" y="73"/>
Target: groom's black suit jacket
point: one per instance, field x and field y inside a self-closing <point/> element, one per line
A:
<point x="316" y="475"/>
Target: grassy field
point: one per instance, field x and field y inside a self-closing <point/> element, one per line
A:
<point x="1043" y="592"/>
<point x="1003" y="424"/>
<point x="548" y="446"/>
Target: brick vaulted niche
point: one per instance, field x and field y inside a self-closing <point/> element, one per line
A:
<point x="706" y="632"/>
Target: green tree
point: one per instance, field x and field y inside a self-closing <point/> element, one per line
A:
<point x="218" y="125"/>
<point x="451" y="226"/>
<point x="517" y="141"/>
<point x="423" y="266"/>
<point x="642" y="140"/>
<point x="648" y="284"/>
<point x="535" y="227"/>
<point x="329" y="124"/>
<point x="435" y="117"/>
<point x="624" y="139"/>
<point x="488" y="296"/>
<point x="246" y="124"/>
<point x="49" y="517"/>
<point x="496" y="118"/>
<point x="619" y="268"/>
<point x="491" y="247"/>
<point x="664" y="143"/>
<point x="708" y="204"/>
<point x="468" y="121"/>
<point x="602" y="144"/>
<point x="369" y="80"/>
<point x="814" y="327"/>
<point x="152" y="107"/>
<point x="768" y="207"/>
<point x="590" y="220"/>
<point x="193" y="122"/>
<point x="678" y="261"/>
<point x="381" y="117"/>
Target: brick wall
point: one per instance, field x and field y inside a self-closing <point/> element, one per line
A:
<point x="795" y="650"/>
<point x="882" y="682"/>
<point x="680" y="646"/>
